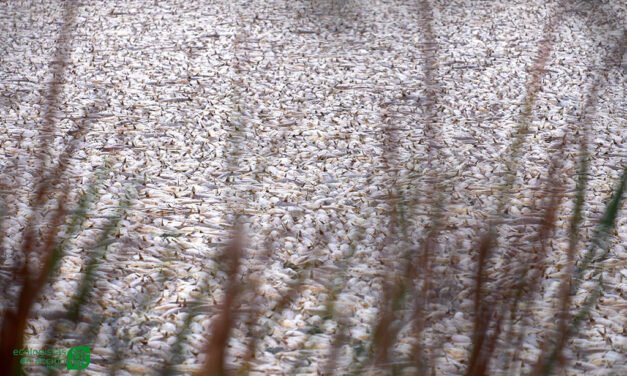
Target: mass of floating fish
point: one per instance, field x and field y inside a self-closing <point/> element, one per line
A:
<point x="299" y="118"/>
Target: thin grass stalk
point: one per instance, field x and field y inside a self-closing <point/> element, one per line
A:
<point x="422" y="271"/>
<point x="86" y="283"/>
<point x="573" y="235"/>
<point x="529" y="284"/>
<point x="489" y="339"/>
<point x="216" y="349"/>
<point x="613" y="58"/>
<point x="488" y="240"/>
<point x="382" y="335"/>
<point x="570" y="279"/>
<point x="63" y="45"/>
<point x="599" y="239"/>
<point x="254" y="334"/>
<point x="329" y="314"/>
<point x="49" y="124"/>
<point x="14" y="321"/>
<point x="395" y="289"/>
<point x="534" y="86"/>
<point x="3" y="214"/>
<point x="215" y="364"/>
<point x="119" y="346"/>
<point x="78" y="217"/>
<point x="7" y="273"/>
<point x="545" y="365"/>
<point x="417" y="264"/>
<point x="76" y="220"/>
<point x="286" y="300"/>
<point x="341" y="336"/>
<point x="54" y="176"/>
<point x="251" y="346"/>
<point x="583" y="131"/>
<point x="176" y="349"/>
<point x="34" y="281"/>
<point x="483" y="312"/>
<point x="510" y="298"/>
<point x="493" y="319"/>
<point x="168" y="368"/>
<point x="400" y="287"/>
<point x="489" y="321"/>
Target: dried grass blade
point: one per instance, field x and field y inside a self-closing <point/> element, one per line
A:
<point x="215" y="364"/>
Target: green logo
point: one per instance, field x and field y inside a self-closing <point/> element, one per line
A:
<point x="78" y="357"/>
